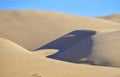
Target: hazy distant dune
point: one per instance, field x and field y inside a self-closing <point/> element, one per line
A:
<point x="114" y="17"/>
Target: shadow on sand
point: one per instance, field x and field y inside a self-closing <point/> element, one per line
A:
<point x="72" y="46"/>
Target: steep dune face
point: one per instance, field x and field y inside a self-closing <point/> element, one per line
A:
<point x="33" y="29"/>
<point x="15" y="61"/>
<point x="114" y="17"/>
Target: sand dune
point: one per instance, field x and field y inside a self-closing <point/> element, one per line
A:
<point x="33" y="29"/>
<point x="114" y="17"/>
<point x="17" y="62"/>
<point x="60" y="42"/>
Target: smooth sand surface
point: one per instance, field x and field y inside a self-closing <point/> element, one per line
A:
<point x="114" y="17"/>
<point x="17" y="62"/>
<point x="33" y="29"/>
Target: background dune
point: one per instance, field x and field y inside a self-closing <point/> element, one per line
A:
<point x="33" y="29"/>
<point x="114" y="17"/>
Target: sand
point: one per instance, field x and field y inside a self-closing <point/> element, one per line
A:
<point x="65" y="45"/>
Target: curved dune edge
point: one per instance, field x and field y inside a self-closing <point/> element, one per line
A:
<point x="22" y="64"/>
<point x="8" y="45"/>
<point x="45" y="52"/>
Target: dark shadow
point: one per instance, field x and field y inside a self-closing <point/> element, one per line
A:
<point x="72" y="46"/>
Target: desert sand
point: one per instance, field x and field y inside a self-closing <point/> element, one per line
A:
<point x="50" y="44"/>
